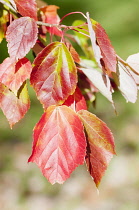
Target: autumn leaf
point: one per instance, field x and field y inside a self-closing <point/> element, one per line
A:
<point x="54" y="75"/>
<point x="27" y="8"/>
<point x="14" y="107"/>
<point x="21" y="36"/>
<point x="49" y="15"/>
<point x="76" y="101"/>
<point x="107" y="50"/>
<point x="100" y="81"/>
<point x="126" y="83"/>
<point x="59" y="143"/>
<point x="96" y="48"/>
<point x="133" y="61"/>
<point x="13" y="74"/>
<point x="100" y="148"/>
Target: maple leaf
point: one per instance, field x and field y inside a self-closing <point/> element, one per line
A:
<point x="49" y="15"/>
<point x="54" y="75"/>
<point x="13" y="74"/>
<point x="14" y="107"/>
<point x="76" y="101"/>
<point x="27" y="8"/>
<point x="59" y="143"/>
<point x="100" y="81"/>
<point x="21" y="36"/>
<point x="100" y="148"/>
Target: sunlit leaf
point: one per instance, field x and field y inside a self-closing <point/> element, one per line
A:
<point x="27" y="8"/>
<point x="96" y="48"/>
<point x="54" y="75"/>
<point x="133" y="61"/>
<point x="13" y="74"/>
<point x="14" y="107"/>
<point x="100" y="148"/>
<point x="100" y="81"/>
<point x="59" y="143"/>
<point x="126" y="83"/>
<point x="21" y="36"/>
<point x="107" y="51"/>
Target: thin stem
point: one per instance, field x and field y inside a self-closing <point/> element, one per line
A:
<point x="126" y="64"/>
<point x="71" y="14"/>
<point x="81" y="32"/>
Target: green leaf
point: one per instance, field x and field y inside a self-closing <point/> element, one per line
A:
<point x="54" y="75"/>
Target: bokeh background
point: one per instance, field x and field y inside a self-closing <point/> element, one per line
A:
<point x="22" y="186"/>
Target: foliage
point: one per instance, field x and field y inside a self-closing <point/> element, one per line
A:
<point x="67" y="134"/>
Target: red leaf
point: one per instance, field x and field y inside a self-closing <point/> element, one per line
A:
<point x="59" y="143"/>
<point x="100" y="147"/>
<point x="14" y="107"/>
<point x="49" y="15"/>
<point x="27" y="8"/>
<point x="107" y="50"/>
<point x="54" y="75"/>
<point x="13" y="74"/>
<point x="21" y="36"/>
<point x="76" y="101"/>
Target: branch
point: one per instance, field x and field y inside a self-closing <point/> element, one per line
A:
<point x="126" y="64"/>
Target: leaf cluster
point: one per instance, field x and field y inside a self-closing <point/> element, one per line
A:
<point x="65" y="82"/>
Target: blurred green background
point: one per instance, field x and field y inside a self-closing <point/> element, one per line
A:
<point x="22" y="186"/>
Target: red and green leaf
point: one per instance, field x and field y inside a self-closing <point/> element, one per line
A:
<point x="14" y="107"/>
<point x="76" y="101"/>
<point x="27" y="8"/>
<point x="13" y="74"/>
<point x="54" y="75"/>
<point x="59" y="143"/>
<point x="21" y="36"/>
<point x="100" y="148"/>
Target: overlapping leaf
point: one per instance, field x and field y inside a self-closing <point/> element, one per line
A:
<point x="107" y="50"/>
<point x="59" y="143"/>
<point x="101" y="82"/>
<point x="96" y="48"/>
<point x="49" y="15"/>
<point x="27" y="8"/>
<point x="126" y="83"/>
<point x="100" y="148"/>
<point x="13" y="74"/>
<point x="21" y="36"/>
<point x="54" y="75"/>
<point x="76" y="101"/>
<point x="14" y="107"/>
